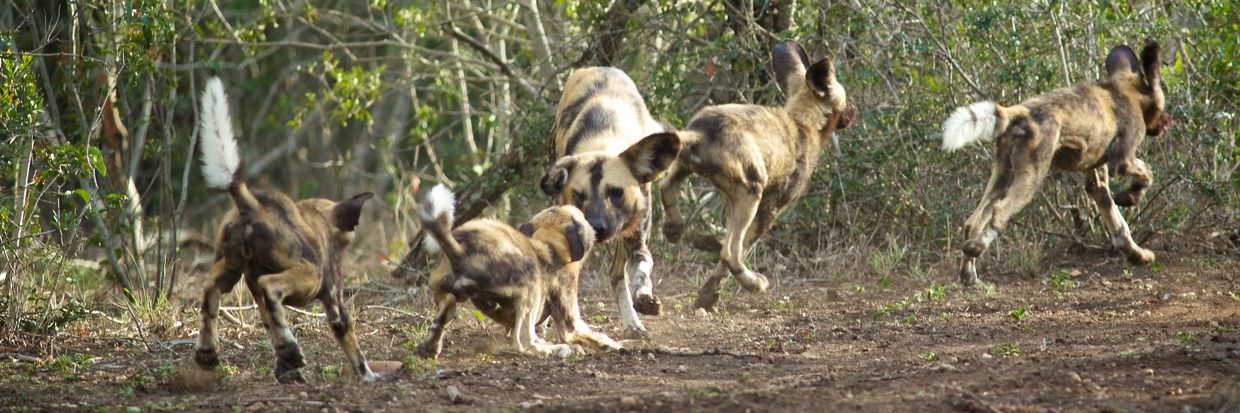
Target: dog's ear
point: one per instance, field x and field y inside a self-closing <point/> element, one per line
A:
<point x="1121" y="60"/>
<point x="346" y="213"/>
<point x="579" y="239"/>
<point x="788" y="59"/>
<point x="1150" y="65"/>
<point x="820" y="76"/>
<point x="553" y="181"/>
<point x="652" y="155"/>
<point x="527" y="229"/>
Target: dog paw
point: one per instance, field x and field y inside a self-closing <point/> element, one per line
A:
<point x="647" y="304"/>
<point x="427" y="350"/>
<point x="1140" y="256"/>
<point x="969" y="278"/>
<point x="673" y="230"/>
<point x="289" y="376"/>
<point x="752" y="281"/>
<point x="1126" y="198"/>
<point x="371" y="377"/>
<point x="635" y="331"/>
<point x="207" y="359"/>
<point x="706" y="300"/>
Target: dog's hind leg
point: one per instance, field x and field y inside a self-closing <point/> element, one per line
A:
<point x="433" y="344"/>
<point x="223" y="278"/>
<point x="1017" y="174"/>
<point x="669" y="196"/>
<point x="526" y="339"/>
<point x="342" y="328"/>
<point x="742" y="206"/>
<point x="1121" y="236"/>
<point x="575" y="329"/>
<point x="272" y="289"/>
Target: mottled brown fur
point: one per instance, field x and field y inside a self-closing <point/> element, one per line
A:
<point x="288" y="253"/>
<point x="760" y="158"/>
<point x="509" y="274"/>
<point x="607" y="151"/>
<point x="1093" y="127"/>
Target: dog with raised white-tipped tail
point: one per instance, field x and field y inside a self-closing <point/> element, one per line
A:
<point x="1091" y="127"/>
<point x="511" y="275"/>
<point x="288" y="252"/>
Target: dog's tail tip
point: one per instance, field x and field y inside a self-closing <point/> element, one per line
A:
<point x="968" y="124"/>
<point x="220" y="157"/>
<point x="437" y="211"/>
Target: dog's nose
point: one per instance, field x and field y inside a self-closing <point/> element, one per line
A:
<point x="599" y="227"/>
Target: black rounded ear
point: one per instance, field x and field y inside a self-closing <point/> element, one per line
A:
<point x="820" y="76"/>
<point x="652" y="155"/>
<point x="553" y="181"/>
<point x="346" y="213"/>
<point x="579" y="239"/>
<point x="1150" y="64"/>
<point x="1121" y="60"/>
<point x="788" y="59"/>
<point x="527" y="229"/>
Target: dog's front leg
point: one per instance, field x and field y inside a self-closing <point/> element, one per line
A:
<point x="342" y="328"/>
<point x="640" y="266"/>
<point x="669" y="197"/>
<point x="620" y="283"/>
<point x="1121" y="236"/>
<point x="1141" y="176"/>
<point x="272" y="289"/>
<point x="525" y="338"/>
<point x="223" y="278"/>
<point x="568" y="314"/>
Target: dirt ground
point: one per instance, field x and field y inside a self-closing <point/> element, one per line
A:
<point x="1091" y="334"/>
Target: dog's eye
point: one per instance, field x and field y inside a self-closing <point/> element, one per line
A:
<point x="615" y="194"/>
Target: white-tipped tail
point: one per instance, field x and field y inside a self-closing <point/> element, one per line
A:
<point x="220" y="159"/>
<point x="440" y="202"/>
<point x="969" y="124"/>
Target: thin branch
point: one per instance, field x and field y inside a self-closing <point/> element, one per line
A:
<point x="491" y="56"/>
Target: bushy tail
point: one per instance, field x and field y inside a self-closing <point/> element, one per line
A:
<point x="970" y="124"/>
<point x="437" y="216"/>
<point x="221" y="162"/>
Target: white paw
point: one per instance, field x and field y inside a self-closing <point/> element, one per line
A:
<point x="753" y="281"/>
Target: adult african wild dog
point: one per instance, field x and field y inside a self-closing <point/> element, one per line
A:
<point x="761" y="158"/>
<point x="607" y="150"/>
<point x="287" y="252"/>
<point x="509" y="273"/>
<point x="1091" y="127"/>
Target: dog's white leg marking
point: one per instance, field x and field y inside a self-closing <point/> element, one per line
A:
<point x="643" y="284"/>
<point x="628" y="315"/>
<point x="989" y="236"/>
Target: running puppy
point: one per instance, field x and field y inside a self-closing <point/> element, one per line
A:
<point x="760" y="158"/>
<point x="1091" y="127"/>
<point x="287" y="252"/>
<point x="510" y="274"/>
<point x="607" y="151"/>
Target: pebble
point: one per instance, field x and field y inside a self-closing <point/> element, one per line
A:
<point x="1074" y="376"/>
<point x="681" y="369"/>
<point x="628" y="401"/>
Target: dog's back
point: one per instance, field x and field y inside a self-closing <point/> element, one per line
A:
<point x="601" y="110"/>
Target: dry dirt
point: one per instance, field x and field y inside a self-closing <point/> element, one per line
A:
<point x="1090" y="334"/>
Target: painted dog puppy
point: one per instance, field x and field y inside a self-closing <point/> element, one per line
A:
<point x="510" y="274"/>
<point x="607" y="151"/>
<point x="760" y="158"/>
<point x="288" y="252"/>
<point x="1093" y="127"/>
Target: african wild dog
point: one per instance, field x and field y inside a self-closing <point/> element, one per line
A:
<point x="510" y="273"/>
<point x="288" y="252"/>
<point x="1093" y="126"/>
<point x="607" y="150"/>
<point x="760" y="158"/>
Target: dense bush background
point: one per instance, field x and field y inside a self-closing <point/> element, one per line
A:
<point x="102" y="207"/>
